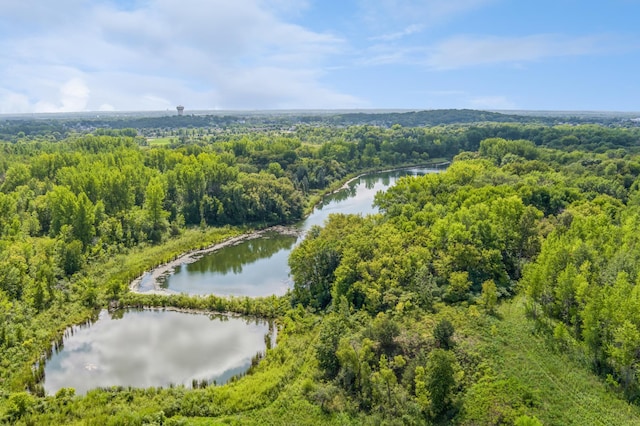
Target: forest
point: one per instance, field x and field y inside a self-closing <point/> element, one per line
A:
<point x="503" y="290"/>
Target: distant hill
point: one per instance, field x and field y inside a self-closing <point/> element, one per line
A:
<point x="58" y="126"/>
<point x="434" y="117"/>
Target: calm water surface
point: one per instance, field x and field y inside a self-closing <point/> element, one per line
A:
<point x="157" y="348"/>
<point x="259" y="267"/>
<point x="154" y="348"/>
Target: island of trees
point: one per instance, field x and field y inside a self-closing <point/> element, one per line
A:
<point x="503" y="290"/>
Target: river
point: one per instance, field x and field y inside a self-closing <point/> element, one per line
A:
<point x="158" y="348"/>
<point x="258" y="266"/>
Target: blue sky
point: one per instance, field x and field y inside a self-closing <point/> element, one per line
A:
<point x="92" y="55"/>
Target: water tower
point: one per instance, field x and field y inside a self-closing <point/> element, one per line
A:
<point x="180" y="109"/>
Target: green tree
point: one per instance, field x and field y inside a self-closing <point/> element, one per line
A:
<point x="17" y="175"/>
<point x="489" y="296"/>
<point x="84" y="219"/>
<point x="384" y="384"/>
<point x="313" y="264"/>
<point x="525" y="420"/>
<point x="275" y="169"/>
<point x="20" y="404"/>
<point x="624" y="352"/>
<point x="426" y="287"/>
<point x="440" y="380"/>
<point x="422" y="393"/>
<point x="8" y="210"/>
<point x="62" y="206"/>
<point x="355" y="357"/>
<point x="70" y="256"/>
<point x="459" y="285"/>
<point x="153" y="206"/>
<point x="442" y="333"/>
<point x="384" y="330"/>
<point x="331" y="331"/>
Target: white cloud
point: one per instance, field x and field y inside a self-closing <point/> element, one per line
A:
<point x="411" y="29"/>
<point x="392" y="21"/>
<point x="282" y="89"/>
<point x="11" y="102"/>
<point x="467" y="51"/>
<point x="74" y="95"/>
<point x="201" y="53"/>
<point x="387" y="54"/>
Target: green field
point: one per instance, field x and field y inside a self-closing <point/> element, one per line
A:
<point x="161" y="141"/>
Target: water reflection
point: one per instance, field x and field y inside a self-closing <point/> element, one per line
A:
<point x="251" y="268"/>
<point x="154" y="348"/>
<point x="233" y="258"/>
<point x="259" y="267"/>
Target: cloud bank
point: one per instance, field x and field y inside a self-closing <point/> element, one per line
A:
<point x="81" y="55"/>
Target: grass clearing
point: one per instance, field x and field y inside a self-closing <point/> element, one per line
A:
<point x="166" y="141"/>
<point x="564" y="391"/>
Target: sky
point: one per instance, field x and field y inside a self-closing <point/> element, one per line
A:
<point x="151" y="55"/>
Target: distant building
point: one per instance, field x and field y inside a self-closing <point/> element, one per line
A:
<point x="180" y="109"/>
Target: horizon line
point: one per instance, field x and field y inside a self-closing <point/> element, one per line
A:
<point x="188" y="112"/>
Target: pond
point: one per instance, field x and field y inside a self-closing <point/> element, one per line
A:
<point x="155" y="348"/>
<point x="159" y="348"/>
<point x="258" y="267"/>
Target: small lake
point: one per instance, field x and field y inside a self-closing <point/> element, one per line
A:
<point x="158" y="348"/>
<point x="259" y="267"/>
<point x="154" y="348"/>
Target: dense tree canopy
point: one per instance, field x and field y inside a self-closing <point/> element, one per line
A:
<point x="392" y="317"/>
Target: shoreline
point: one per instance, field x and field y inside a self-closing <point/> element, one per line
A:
<point x="346" y="184"/>
<point x="194" y="255"/>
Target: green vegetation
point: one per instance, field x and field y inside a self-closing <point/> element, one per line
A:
<point x="161" y="141"/>
<point x="501" y="291"/>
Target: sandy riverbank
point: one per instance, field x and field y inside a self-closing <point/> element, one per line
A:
<point x="194" y="255"/>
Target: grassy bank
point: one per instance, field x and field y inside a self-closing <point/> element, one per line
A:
<point x="509" y="371"/>
<point x="555" y="379"/>
<point x="116" y="273"/>
<point x="84" y="295"/>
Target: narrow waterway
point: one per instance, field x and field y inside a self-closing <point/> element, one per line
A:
<point x="258" y="266"/>
<point x="160" y="348"/>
